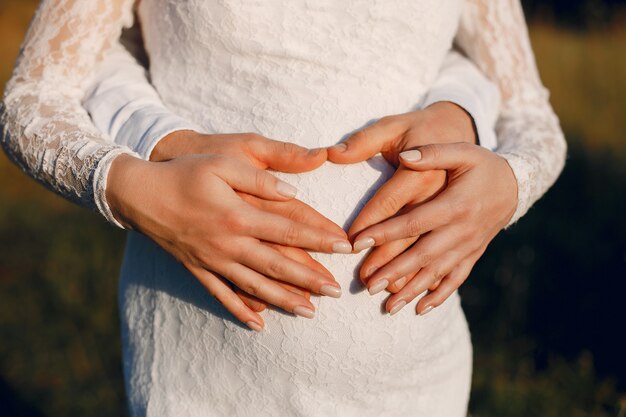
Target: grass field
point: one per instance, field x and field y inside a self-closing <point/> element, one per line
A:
<point x="543" y="303"/>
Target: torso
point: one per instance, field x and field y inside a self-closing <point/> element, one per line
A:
<point x="310" y="72"/>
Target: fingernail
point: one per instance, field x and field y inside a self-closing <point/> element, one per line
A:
<point x="255" y="326"/>
<point x="304" y="312"/>
<point x="363" y="244"/>
<point x="371" y="271"/>
<point x="426" y="310"/>
<point x="330" y="291"/>
<point x="399" y="283"/>
<point x="397" y="307"/>
<point x="342" y="247"/>
<point x="378" y="287"/>
<point x="411" y="156"/>
<point x="286" y="190"/>
<point x="340" y="147"/>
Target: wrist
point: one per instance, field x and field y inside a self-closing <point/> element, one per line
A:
<point x="124" y="171"/>
<point x="456" y="117"/>
<point x="175" y="144"/>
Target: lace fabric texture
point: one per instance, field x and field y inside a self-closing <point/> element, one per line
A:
<point x="45" y="129"/>
<point x="310" y="72"/>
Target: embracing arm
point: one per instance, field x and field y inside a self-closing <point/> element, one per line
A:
<point x="460" y="82"/>
<point x="44" y="128"/>
<point x="123" y="103"/>
<point x="494" y="35"/>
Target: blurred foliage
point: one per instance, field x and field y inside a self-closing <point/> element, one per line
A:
<point x="544" y="303"/>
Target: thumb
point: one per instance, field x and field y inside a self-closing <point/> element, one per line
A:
<point x="285" y="156"/>
<point x="447" y="156"/>
<point x="362" y="145"/>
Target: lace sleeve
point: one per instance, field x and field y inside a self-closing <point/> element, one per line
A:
<point x="494" y="35"/>
<point x="43" y="127"/>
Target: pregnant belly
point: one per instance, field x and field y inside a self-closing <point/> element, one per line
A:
<point x="349" y="338"/>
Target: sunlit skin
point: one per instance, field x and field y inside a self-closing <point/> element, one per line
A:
<point x="435" y="216"/>
<point x="242" y="234"/>
<point x="222" y="207"/>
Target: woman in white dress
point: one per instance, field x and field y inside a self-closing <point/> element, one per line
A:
<point x="311" y="73"/>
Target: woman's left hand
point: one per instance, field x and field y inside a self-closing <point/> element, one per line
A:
<point x="392" y="264"/>
<point x="455" y="227"/>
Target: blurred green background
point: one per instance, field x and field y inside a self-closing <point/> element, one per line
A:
<point x="544" y="304"/>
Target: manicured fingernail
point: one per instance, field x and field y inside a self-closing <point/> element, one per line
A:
<point x="342" y="247"/>
<point x="255" y="326"/>
<point x="286" y="190"/>
<point x="426" y="310"/>
<point x="378" y="287"/>
<point x="304" y="312"/>
<point x="330" y="291"/>
<point x="399" y="283"/>
<point x="397" y="307"/>
<point x="371" y="271"/>
<point x="363" y="244"/>
<point x="411" y="156"/>
<point x="340" y="147"/>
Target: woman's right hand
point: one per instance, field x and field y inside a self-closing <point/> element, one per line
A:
<point x="190" y="207"/>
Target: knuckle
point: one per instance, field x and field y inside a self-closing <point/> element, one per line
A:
<point x="390" y="204"/>
<point x="276" y="269"/>
<point x="424" y="258"/>
<point x="291" y="235"/>
<point x="253" y="288"/>
<point x="361" y="135"/>
<point x="459" y="207"/>
<point x="262" y="180"/>
<point x="290" y="148"/>
<point x="414" y="226"/>
<point x="235" y="222"/>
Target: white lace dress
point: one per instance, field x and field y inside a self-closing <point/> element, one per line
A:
<point x="309" y="72"/>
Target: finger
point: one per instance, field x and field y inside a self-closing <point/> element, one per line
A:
<point x="430" y="248"/>
<point x="285" y="156"/>
<point x="399" y="284"/>
<point x="440" y="156"/>
<point x="418" y="221"/>
<point x="242" y="176"/>
<point x="297" y="211"/>
<point x="222" y="292"/>
<point x="277" y="229"/>
<point x="267" y="290"/>
<point x="272" y="263"/>
<point x="403" y="188"/>
<point x="301" y="256"/>
<point x="253" y="303"/>
<point x="381" y="256"/>
<point x="428" y="275"/>
<point x="379" y="137"/>
<point x="448" y="285"/>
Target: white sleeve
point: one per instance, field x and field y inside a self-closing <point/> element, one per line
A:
<point x="123" y="103"/>
<point x="494" y="36"/>
<point x="43" y="126"/>
<point x="461" y="82"/>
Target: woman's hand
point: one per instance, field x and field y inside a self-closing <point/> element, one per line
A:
<point x="190" y="207"/>
<point x="455" y="227"/>
<point x="262" y="153"/>
<point x="442" y="122"/>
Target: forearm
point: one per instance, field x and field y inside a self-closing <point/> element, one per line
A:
<point x="495" y="37"/>
<point x="460" y="82"/>
<point x="44" y="129"/>
<point x="123" y="103"/>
